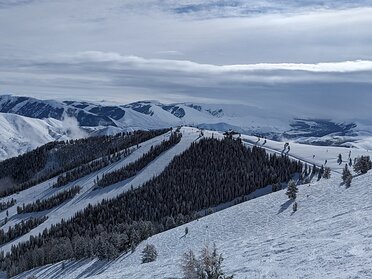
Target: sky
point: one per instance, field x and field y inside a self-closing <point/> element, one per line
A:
<point x="212" y="51"/>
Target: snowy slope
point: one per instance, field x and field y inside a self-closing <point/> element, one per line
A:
<point x="87" y="195"/>
<point x="329" y="236"/>
<point x="19" y="134"/>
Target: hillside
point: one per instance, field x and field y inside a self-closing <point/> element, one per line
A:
<point x="328" y="237"/>
<point x="262" y="237"/>
<point x="248" y="222"/>
<point x="19" y="134"/>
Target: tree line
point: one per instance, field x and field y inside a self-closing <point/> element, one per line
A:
<point x="209" y="173"/>
<point x="20" y="229"/>
<point x="49" y="203"/>
<point x="7" y="204"/>
<point x="55" y="158"/>
<point x="133" y="168"/>
<point x="89" y="168"/>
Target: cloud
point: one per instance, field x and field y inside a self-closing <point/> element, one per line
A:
<point x="72" y="129"/>
<point x="114" y="69"/>
<point x="214" y="50"/>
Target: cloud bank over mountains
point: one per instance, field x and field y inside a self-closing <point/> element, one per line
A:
<point x="210" y="51"/>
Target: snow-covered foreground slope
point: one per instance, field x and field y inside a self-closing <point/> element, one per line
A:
<point x="20" y="134"/>
<point x="330" y="236"/>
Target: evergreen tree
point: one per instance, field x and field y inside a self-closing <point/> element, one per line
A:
<point x="362" y="165"/>
<point x="347" y="176"/>
<point x="292" y="190"/>
<point x="327" y="173"/>
<point x="149" y="254"/>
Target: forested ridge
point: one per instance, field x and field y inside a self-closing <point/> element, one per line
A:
<point x="49" y="203"/>
<point x="20" y="229"/>
<point x="133" y="168"/>
<point x="90" y="167"/>
<point x="209" y="173"/>
<point x="52" y="159"/>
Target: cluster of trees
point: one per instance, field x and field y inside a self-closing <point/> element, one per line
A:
<point x="20" y="229"/>
<point x="133" y="168"/>
<point x="7" y="204"/>
<point x="207" y="266"/>
<point x="209" y="173"/>
<point x="55" y="158"/>
<point x="19" y="170"/>
<point x="91" y="167"/>
<point x="362" y="164"/>
<point x="51" y="202"/>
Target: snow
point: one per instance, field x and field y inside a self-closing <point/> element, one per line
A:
<point x="20" y="134"/>
<point x="306" y="152"/>
<point x="328" y="237"/>
<point x="251" y="118"/>
<point x="87" y="194"/>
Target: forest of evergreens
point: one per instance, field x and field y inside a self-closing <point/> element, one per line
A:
<point x="49" y="203"/>
<point x="209" y="173"/>
<point x="20" y="229"/>
<point x="55" y="158"/>
<point x="133" y="168"/>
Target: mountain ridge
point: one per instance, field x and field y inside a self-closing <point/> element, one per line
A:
<point x="99" y="118"/>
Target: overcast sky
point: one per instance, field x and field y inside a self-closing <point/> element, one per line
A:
<point x="188" y="50"/>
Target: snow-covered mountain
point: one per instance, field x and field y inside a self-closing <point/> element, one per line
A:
<point x="19" y="134"/>
<point x="108" y="118"/>
<point x="260" y="238"/>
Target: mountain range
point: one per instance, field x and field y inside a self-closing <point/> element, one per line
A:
<point x="26" y="122"/>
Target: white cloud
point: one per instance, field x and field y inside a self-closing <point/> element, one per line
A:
<point x="184" y="49"/>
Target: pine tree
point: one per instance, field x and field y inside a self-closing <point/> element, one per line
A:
<point x="348" y="181"/>
<point x="149" y="254"/>
<point x="292" y="190"/>
<point x="327" y="173"/>
<point x="347" y="176"/>
<point x="362" y="165"/>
